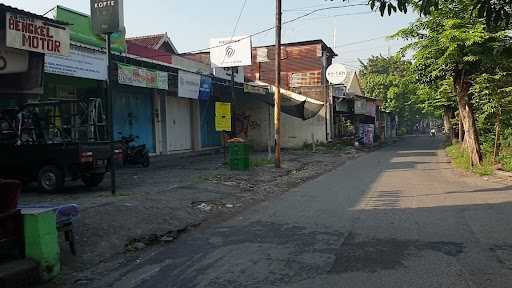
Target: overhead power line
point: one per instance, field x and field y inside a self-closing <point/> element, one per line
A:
<point x="360" y="42"/>
<point x="238" y="19"/>
<point x="306" y="8"/>
<point x="285" y="22"/>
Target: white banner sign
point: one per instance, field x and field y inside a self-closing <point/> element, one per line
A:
<point x="188" y="84"/>
<point x="27" y="33"/>
<point x="81" y="62"/>
<point x="140" y="77"/>
<point x="231" y="52"/>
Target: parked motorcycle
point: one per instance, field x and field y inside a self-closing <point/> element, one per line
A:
<point x="134" y="154"/>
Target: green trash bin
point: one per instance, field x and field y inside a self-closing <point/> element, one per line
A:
<point x="239" y="156"/>
<point x="42" y="240"/>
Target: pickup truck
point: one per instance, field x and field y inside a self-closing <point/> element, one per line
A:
<point x="52" y="164"/>
<point x="34" y="146"/>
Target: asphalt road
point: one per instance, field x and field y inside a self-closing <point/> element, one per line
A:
<point x="398" y="217"/>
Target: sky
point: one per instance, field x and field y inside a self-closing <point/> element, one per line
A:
<point x="192" y="23"/>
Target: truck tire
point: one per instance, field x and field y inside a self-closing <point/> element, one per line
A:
<point x="50" y="179"/>
<point x="93" y="180"/>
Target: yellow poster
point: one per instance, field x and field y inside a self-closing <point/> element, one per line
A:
<point x="222" y="116"/>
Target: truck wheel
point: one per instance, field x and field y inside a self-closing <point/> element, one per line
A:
<point x="93" y="180"/>
<point x="50" y="179"/>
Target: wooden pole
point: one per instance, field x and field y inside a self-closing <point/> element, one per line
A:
<point x="233" y="103"/>
<point x="277" y="96"/>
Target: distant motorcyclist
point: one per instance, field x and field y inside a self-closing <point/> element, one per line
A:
<point x="433" y="132"/>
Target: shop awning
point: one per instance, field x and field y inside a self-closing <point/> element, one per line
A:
<point x="293" y="104"/>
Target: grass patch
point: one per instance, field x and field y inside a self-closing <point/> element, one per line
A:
<point x="506" y="159"/>
<point x="461" y="160"/>
<point x="259" y="162"/>
<point x="322" y="146"/>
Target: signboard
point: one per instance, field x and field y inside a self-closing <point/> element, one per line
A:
<point x="222" y="116"/>
<point x="13" y="60"/>
<point x="339" y="91"/>
<point x="107" y="16"/>
<point x="205" y="90"/>
<point x="188" y="84"/>
<point x="27" y="33"/>
<point x="81" y="62"/>
<point x="140" y="77"/>
<point x="231" y="52"/>
<point x="336" y="74"/>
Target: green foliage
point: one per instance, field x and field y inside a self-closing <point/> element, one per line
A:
<point x="506" y="159"/>
<point x="460" y="159"/>
<point x="497" y="13"/>
<point x="391" y="79"/>
<point x="445" y="44"/>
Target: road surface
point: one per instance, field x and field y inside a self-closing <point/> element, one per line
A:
<point x="398" y="217"/>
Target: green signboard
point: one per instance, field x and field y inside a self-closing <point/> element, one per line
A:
<point x="81" y="30"/>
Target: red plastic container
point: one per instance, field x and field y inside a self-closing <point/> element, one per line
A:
<point x="9" y="194"/>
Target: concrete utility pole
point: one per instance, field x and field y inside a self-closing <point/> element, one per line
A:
<point x="277" y="96"/>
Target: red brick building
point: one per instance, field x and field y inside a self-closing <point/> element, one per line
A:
<point x="302" y="69"/>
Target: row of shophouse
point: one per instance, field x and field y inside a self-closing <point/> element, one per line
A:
<point x="168" y="99"/>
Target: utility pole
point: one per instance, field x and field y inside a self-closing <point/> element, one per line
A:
<point x="233" y="103"/>
<point x="111" y="110"/>
<point x="277" y="96"/>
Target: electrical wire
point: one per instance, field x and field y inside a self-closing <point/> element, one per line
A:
<point x="360" y="42"/>
<point x="305" y="8"/>
<point x="273" y="27"/>
<point x="238" y="19"/>
<point x="340" y="15"/>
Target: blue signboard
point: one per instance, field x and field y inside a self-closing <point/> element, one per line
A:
<point x="205" y="89"/>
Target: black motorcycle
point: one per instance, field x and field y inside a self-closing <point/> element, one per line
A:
<point x="134" y="154"/>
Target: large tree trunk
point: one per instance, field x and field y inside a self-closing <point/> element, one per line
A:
<point x="471" y="140"/>
<point x="448" y="128"/>
<point x="461" y="129"/>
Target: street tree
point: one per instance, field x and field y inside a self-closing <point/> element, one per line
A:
<point x="438" y="99"/>
<point x="390" y="79"/>
<point x="493" y="98"/>
<point x="451" y="43"/>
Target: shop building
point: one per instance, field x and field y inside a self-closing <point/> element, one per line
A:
<point x="22" y="57"/>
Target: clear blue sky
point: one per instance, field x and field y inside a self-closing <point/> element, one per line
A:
<point x="191" y="23"/>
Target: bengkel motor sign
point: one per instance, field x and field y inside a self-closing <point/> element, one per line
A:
<point x="27" y="33"/>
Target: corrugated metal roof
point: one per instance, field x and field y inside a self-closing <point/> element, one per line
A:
<point x="6" y="8"/>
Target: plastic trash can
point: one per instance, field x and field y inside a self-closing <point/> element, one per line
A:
<point x="239" y="156"/>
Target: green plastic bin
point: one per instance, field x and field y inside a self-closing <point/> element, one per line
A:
<point x="41" y="240"/>
<point x="239" y="150"/>
<point x="239" y="164"/>
<point x="239" y="156"/>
